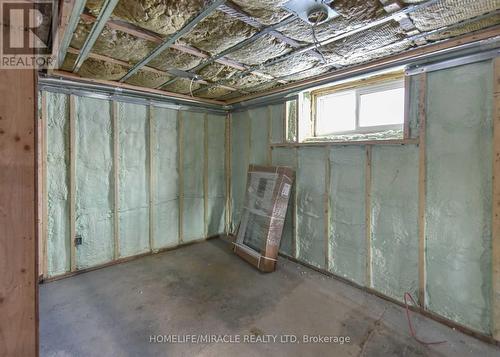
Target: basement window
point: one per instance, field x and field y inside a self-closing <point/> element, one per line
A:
<point x="374" y="111"/>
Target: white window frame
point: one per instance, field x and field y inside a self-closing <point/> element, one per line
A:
<point x="358" y="91"/>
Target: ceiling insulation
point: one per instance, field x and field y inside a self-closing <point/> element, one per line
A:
<point x="182" y="85"/>
<point x="447" y="12"/>
<point x="263" y="49"/>
<point x="266" y="12"/>
<point x="95" y="69"/>
<point x="148" y="79"/>
<point x="218" y="32"/>
<point x="216" y="72"/>
<point x="173" y="59"/>
<point x="246" y="81"/>
<point x="161" y="16"/>
<point x="341" y="52"/>
<point x="296" y="63"/>
<point x="113" y="43"/>
<point x="473" y="26"/>
<point x="215" y="92"/>
<point x="273" y="54"/>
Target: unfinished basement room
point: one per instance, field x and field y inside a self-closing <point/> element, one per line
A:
<point x="249" y="178"/>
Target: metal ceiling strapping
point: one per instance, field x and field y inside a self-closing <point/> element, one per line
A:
<point x="277" y="57"/>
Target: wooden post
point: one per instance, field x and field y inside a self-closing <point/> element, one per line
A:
<point x="42" y="181"/>
<point x="406" y="123"/>
<point x="72" y="180"/>
<point x="496" y="202"/>
<point x="18" y="211"/>
<point x="116" y="179"/>
<point x="422" y="98"/>
<point x="368" y="215"/>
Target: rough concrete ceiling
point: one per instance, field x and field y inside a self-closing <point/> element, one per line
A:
<point x="268" y="59"/>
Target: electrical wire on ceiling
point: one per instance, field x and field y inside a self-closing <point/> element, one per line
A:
<point x="315" y="39"/>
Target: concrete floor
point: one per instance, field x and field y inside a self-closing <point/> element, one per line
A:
<point x="204" y="289"/>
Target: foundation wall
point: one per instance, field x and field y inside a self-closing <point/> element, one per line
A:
<point x="165" y="178"/>
<point x="355" y="211"/>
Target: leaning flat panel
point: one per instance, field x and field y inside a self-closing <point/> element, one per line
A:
<point x="347" y="218"/>
<point x="193" y="222"/>
<point x="259" y="136"/>
<point x="133" y="178"/>
<point x="459" y="189"/>
<point x="287" y="157"/>
<point x="94" y="182"/>
<point x="394" y="211"/>
<point x="58" y="240"/>
<point x="240" y="147"/>
<point x="216" y="185"/>
<point x="166" y="195"/>
<point x="311" y="184"/>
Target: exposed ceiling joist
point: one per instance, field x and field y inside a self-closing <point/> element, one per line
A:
<point x="102" y="18"/>
<point x="173" y="72"/>
<point x="171" y="40"/>
<point x="144" y="34"/>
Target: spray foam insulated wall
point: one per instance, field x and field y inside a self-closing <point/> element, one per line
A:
<point x="148" y="179"/>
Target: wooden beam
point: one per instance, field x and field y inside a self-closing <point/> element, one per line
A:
<point x="422" y="107"/>
<point x="406" y="122"/>
<point x="42" y="182"/>
<point x="368" y="215"/>
<point x="496" y="202"/>
<point x="72" y="180"/>
<point x="169" y="41"/>
<point x="18" y="211"/>
<point x="156" y="38"/>
<point x="373" y="65"/>
<point x="145" y="68"/>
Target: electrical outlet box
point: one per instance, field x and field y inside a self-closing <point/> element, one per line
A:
<point x="78" y="240"/>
